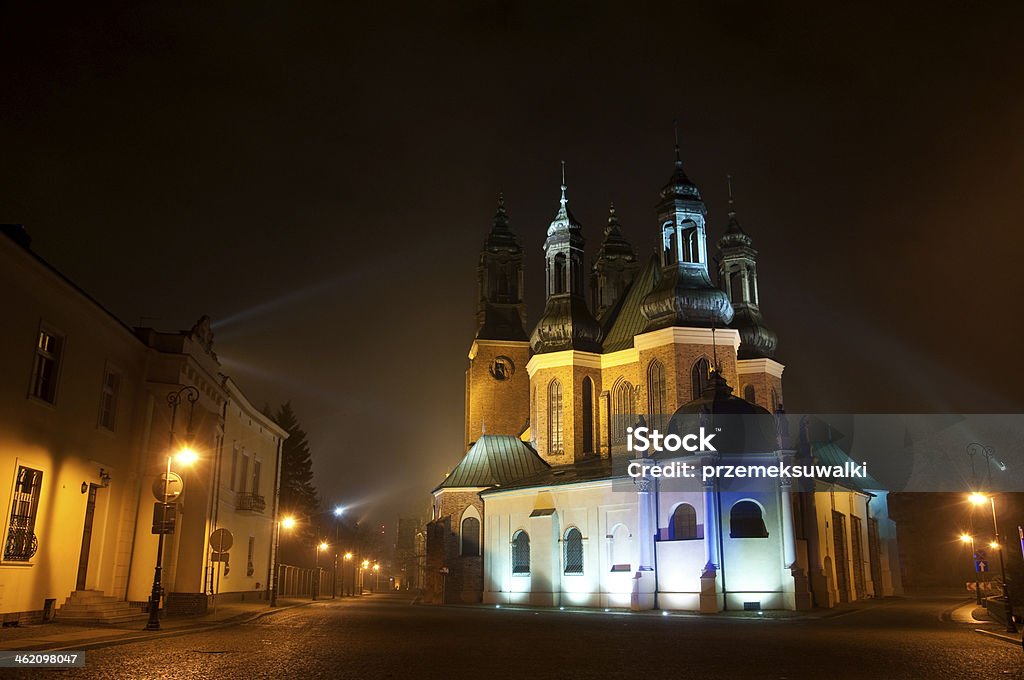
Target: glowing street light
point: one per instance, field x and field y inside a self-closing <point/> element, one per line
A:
<point x="968" y="539"/>
<point x="288" y="522"/>
<point x="978" y="499"/>
<point x="339" y="511"/>
<point x="348" y="556"/>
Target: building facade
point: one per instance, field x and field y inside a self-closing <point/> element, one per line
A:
<point x="85" y="434"/>
<point x="541" y="510"/>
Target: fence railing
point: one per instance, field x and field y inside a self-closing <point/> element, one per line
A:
<point x="295" y="581"/>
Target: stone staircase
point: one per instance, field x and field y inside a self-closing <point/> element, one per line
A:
<point x="92" y="607"/>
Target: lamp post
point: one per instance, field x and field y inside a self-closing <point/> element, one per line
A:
<point x="979" y="499"/>
<point x="186" y="456"/>
<point x="320" y="547"/>
<point x="338" y="512"/>
<point x="969" y="539"/>
<point x="286" y="522"/>
<point x="348" y="556"/>
<point x="376" y="581"/>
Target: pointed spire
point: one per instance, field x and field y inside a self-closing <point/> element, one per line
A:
<point x="732" y="207"/>
<point x="675" y="129"/>
<point x="564" y="200"/>
<point x="734" y="233"/>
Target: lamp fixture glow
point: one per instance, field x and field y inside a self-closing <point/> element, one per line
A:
<point x="348" y="556"/>
<point x="339" y="511"/>
<point x="978" y="498"/>
<point x="186" y="456"/>
<point x="323" y="545"/>
<point x="994" y="545"/>
<point x="288" y="522"/>
<point x="966" y="538"/>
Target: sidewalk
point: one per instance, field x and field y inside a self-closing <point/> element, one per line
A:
<point x="53" y="636"/>
<point x="972" y="614"/>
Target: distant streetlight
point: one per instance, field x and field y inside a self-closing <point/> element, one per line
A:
<point x="339" y="511"/>
<point x="185" y="456"/>
<point x="321" y="547"/>
<point x="376" y="582"/>
<point x="978" y="499"/>
<point x="968" y="539"/>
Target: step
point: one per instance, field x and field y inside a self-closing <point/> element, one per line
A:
<point x="120" y="619"/>
<point x="93" y="607"/>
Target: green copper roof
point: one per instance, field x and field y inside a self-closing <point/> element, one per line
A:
<point x="630" y="320"/>
<point x="830" y="453"/>
<point x="494" y="460"/>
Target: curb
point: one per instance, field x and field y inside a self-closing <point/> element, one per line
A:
<point x="98" y="643"/>
<point x="1000" y="636"/>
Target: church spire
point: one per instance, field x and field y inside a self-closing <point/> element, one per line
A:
<point x="566" y="322"/>
<point x="501" y="309"/>
<point x="737" y="275"/>
<point x="684" y="296"/>
<point x="614" y="268"/>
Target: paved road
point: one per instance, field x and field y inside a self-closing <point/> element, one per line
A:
<point x="387" y="637"/>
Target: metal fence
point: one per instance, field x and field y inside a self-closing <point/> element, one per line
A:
<point x="295" y="581"/>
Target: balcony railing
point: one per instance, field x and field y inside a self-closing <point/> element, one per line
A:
<point x="250" y="502"/>
<point x="21" y="545"/>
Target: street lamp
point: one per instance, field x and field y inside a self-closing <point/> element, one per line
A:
<point x="186" y="456"/>
<point x="968" y="539"/>
<point x="338" y="512"/>
<point x="376" y="582"/>
<point x="286" y="522"/>
<point x="978" y="499"/>
<point x="321" y="546"/>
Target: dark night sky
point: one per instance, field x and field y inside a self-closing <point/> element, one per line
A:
<point x="320" y="182"/>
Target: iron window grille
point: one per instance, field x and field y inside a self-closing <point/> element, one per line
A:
<point x="251" y="502"/>
<point x="22" y="543"/>
<point x="684" y="523"/>
<point x="521" y="553"/>
<point x="573" y="551"/>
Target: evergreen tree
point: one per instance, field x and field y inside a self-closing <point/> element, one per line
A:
<point x="298" y="495"/>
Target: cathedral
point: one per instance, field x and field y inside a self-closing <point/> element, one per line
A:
<point x="541" y="510"/>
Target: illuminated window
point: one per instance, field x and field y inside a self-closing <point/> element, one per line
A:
<point x="471" y="537"/>
<point x="699" y="377"/>
<point x="555" y="443"/>
<point x="749" y="394"/>
<point x="684" y="523"/>
<point x="623" y="410"/>
<point x="21" y="542"/>
<point x="656" y="394"/>
<point x="46" y="366"/>
<point x="745" y="521"/>
<point x="573" y="551"/>
<point x="521" y="553"/>
<point x="108" y="398"/>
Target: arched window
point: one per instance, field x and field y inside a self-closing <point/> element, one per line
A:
<point x="521" y="553"/>
<point x="750" y="394"/>
<point x="588" y="415"/>
<point x="745" y="521"/>
<point x="699" y="376"/>
<point x="623" y="410"/>
<point x="656" y="408"/>
<point x="573" y="551"/>
<point x="558" y="284"/>
<point x="736" y="286"/>
<point x="672" y="248"/>
<point x="619" y="549"/>
<point x="471" y="537"/>
<point x="555" y="444"/>
<point x="684" y="523"/>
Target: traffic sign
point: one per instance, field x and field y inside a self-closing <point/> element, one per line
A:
<point x="164" y="516"/>
<point x="221" y="540"/>
<point x="981" y="566"/>
<point x="174" y="487"/>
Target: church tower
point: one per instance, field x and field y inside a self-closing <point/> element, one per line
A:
<point x="565" y="370"/>
<point x="760" y="376"/>
<point x="684" y="296"/>
<point x="497" y="385"/>
<point x="614" y="269"/>
<point x="567" y="322"/>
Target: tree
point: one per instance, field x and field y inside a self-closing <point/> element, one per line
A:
<point x="298" y="495"/>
